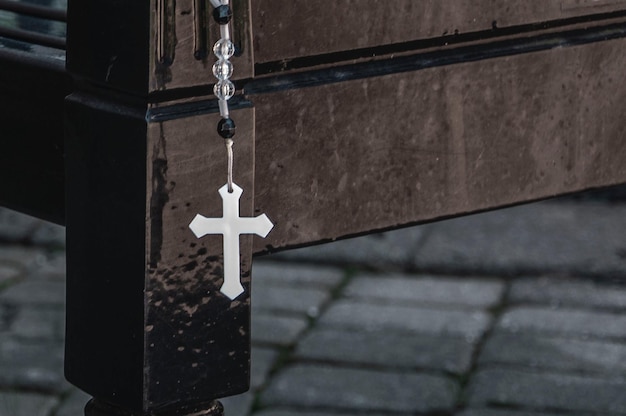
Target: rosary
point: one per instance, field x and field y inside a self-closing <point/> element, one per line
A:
<point x="230" y="225"/>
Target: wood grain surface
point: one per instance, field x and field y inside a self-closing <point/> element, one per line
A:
<point x="286" y="29"/>
<point x="363" y="155"/>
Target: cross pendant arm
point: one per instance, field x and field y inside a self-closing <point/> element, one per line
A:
<point x="231" y="226"/>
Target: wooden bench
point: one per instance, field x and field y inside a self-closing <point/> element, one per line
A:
<point x="349" y="120"/>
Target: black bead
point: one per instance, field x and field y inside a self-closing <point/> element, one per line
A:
<point x="226" y="128"/>
<point x="222" y="14"/>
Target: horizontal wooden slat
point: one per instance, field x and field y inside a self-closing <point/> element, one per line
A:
<point x="346" y="158"/>
<point x="287" y="29"/>
<point x="375" y="113"/>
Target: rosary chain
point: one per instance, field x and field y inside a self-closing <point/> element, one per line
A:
<point x="224" y="89"/>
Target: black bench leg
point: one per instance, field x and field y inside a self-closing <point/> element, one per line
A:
<point x="148" y="330"/>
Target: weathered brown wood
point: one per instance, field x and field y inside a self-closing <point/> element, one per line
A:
<point x="286" y="29"/>
<point x="109" y="52"/>
<point x="356" y="156"/>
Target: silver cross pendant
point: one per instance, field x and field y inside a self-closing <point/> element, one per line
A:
<point x="231" y="226"/>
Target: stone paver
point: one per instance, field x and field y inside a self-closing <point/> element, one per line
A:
<point x="16" y="227"/>
<point x="568" y="292"/>
<point x="509" y="412"/>
<point x="48" y="234"/>
<point x="574" y="322"/>
<point x="39" y="324"/>
<point x="450" y="354"/>
<point x="355" y="389"/>
<point x="7" y="314"/>
<point x="24" y="258"/>
<point x="571" y="355"/>
<point x="32" y="366"/>
<point x="539" y="238"/>
<point x="283" y="412"/>
<point x="19" y="228"/>
<point x="541" y="391"/>
<point x="35" y="292"/>
<point x="350" y="328"/>
<point x="276" y="330"/>
<point x="293" y="275"/>
<point x="74" y="404"/>
<point x="54" y="268"/>
<point x="7" y="274"/>
<point x="302" y="301"/>
<point x="379" y="251"/>
<point x="31" y="404"/>
<point x="449" y="291"/>
<point x="262" y="361"/>
<point x="238" y="405"/>
<point x="375" y="317"/>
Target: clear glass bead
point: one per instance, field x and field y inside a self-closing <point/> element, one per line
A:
<point x="223" y="69"/>
<point x="224" y="49"/>
<point x="224" y="90"/>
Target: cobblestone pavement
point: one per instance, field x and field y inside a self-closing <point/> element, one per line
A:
<point x="518" y="312"/>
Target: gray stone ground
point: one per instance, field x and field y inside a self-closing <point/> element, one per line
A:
<point x="518" y="312"/>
